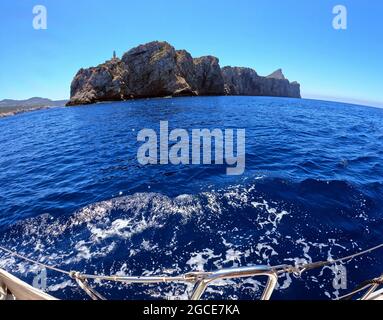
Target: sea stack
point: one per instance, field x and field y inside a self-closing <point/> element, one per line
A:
<point x="157" y="69"/>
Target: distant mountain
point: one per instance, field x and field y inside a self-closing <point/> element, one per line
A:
<point x="32" y="102"/>
<point x="10" y="107"/>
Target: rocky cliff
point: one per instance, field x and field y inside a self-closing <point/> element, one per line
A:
<point x="156" y="69"/>
<point x="246" y="82"/>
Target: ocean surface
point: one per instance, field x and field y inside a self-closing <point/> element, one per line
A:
<point x="73" y="195"/>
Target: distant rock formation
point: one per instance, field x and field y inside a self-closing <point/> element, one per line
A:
<point x="246" y="82"/>
<point x="156" y="69"/>
<point x="277" y="74"/>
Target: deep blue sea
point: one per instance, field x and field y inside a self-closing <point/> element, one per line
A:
<point x="73" y="195"/>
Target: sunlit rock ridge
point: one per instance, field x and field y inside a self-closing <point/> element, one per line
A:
<point x="157" y="69"/>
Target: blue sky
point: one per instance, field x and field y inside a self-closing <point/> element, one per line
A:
<point x="295" y="35"/>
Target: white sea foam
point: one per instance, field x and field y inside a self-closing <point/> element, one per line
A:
<point x="96" y="231"/>
<point x="198" y="260"/>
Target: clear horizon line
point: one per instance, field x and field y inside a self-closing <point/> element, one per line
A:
<point x="308" y="96"/>
<point x="354" y="101"/>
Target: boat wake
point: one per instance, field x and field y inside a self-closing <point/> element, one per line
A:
<point x="152" y="234"/>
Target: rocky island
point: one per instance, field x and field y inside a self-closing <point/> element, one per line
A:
<point x="157" y="69"/>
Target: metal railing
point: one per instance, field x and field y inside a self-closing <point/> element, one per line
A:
<point x="236" y="273"/>
<point x="202" y="280"/>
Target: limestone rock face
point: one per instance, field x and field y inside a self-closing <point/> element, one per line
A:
<point x="102" y="83"/>
<point x="241" y="81"/>
<point x="186" y="73"/>
<point x="203" y="74"/>
<point x="153" y="72"/>
<point x="208" y="76"/>
<point x="278" y="74"/>
<point x="156" y="69"/>
<point x="246" y="82"/>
